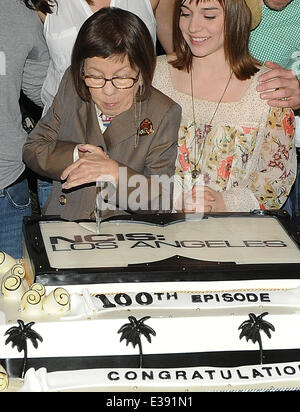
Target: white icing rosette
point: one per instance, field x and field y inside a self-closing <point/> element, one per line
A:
<point x="6" y="262"/>
<point x="12" y="287"/>
<point x="57" y="301"/>
<point x="32" y="302"/>
<point x="3" y="379"/>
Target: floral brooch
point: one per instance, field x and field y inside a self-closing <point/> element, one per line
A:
<point x="146" y="127"/>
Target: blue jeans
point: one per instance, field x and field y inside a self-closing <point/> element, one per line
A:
<point x="14" y="205"/>
<point x="292" y="205"/>
<point x="44" y="188"/>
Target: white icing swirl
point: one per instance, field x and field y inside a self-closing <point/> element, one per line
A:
<point x="39" y="288"/>
<point x="3" y="379"/>
<point x="12" y="287"/>
<point x="19" y="270"/>
<point x="31" y="301"/>
<point x="62" y="296"/>
<point x="6" y="262"/>
<point x="57" y="301"/>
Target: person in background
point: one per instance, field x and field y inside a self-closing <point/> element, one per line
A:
<point x="236" y="153"/>
<point x="24" y="61"/>
<point x="106" y="121"/>
<point x="277" y="40"/>
<point x="62" y="21"/>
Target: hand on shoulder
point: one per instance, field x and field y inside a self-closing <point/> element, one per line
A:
<point x="280" y="87"/>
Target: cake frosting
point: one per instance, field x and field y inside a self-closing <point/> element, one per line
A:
<point x="198" y="326"/>
<point x="258" y="377"/>
<point x="165" y="335"/>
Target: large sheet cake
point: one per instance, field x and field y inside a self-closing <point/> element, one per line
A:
<point x="217" y="300"/>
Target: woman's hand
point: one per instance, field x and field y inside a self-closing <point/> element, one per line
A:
<point x="203" y="199"/>
<point x="280" y="87"/>
<point x="93" y="165"/>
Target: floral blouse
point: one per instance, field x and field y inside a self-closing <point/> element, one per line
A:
<point x="248" y="152"/>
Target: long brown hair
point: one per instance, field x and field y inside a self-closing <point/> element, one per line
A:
<point x="237" y="17"/>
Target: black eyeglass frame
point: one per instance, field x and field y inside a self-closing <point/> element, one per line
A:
<point x="134" y="79"/>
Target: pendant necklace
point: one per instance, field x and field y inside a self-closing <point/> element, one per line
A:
<point x="201" y="133"/>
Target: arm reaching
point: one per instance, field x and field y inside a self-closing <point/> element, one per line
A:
<point x="280" y="87"/>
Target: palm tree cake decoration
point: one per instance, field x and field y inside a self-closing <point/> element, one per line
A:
<point x="251" y="330"/>
<point x="133" y="331"/>
<point x="18" y="336"/>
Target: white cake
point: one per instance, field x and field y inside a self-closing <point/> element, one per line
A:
<point x="195" y="333"/>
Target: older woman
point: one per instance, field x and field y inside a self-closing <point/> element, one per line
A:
<point x="62" y="20"/>
<point x="106" y="121"/>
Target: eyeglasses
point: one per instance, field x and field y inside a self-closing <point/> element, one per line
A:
<point x="118" y="82"/>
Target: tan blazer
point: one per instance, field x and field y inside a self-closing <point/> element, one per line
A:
<point x="50" y="146"/>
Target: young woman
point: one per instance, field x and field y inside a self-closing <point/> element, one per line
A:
<point x="236" y="153"/>
<point x="106" y="121"/>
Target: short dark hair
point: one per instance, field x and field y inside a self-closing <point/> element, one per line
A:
<point x="118" y="33"/>
<point x="45" y="6"/>
<point x="236" y="39"/>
